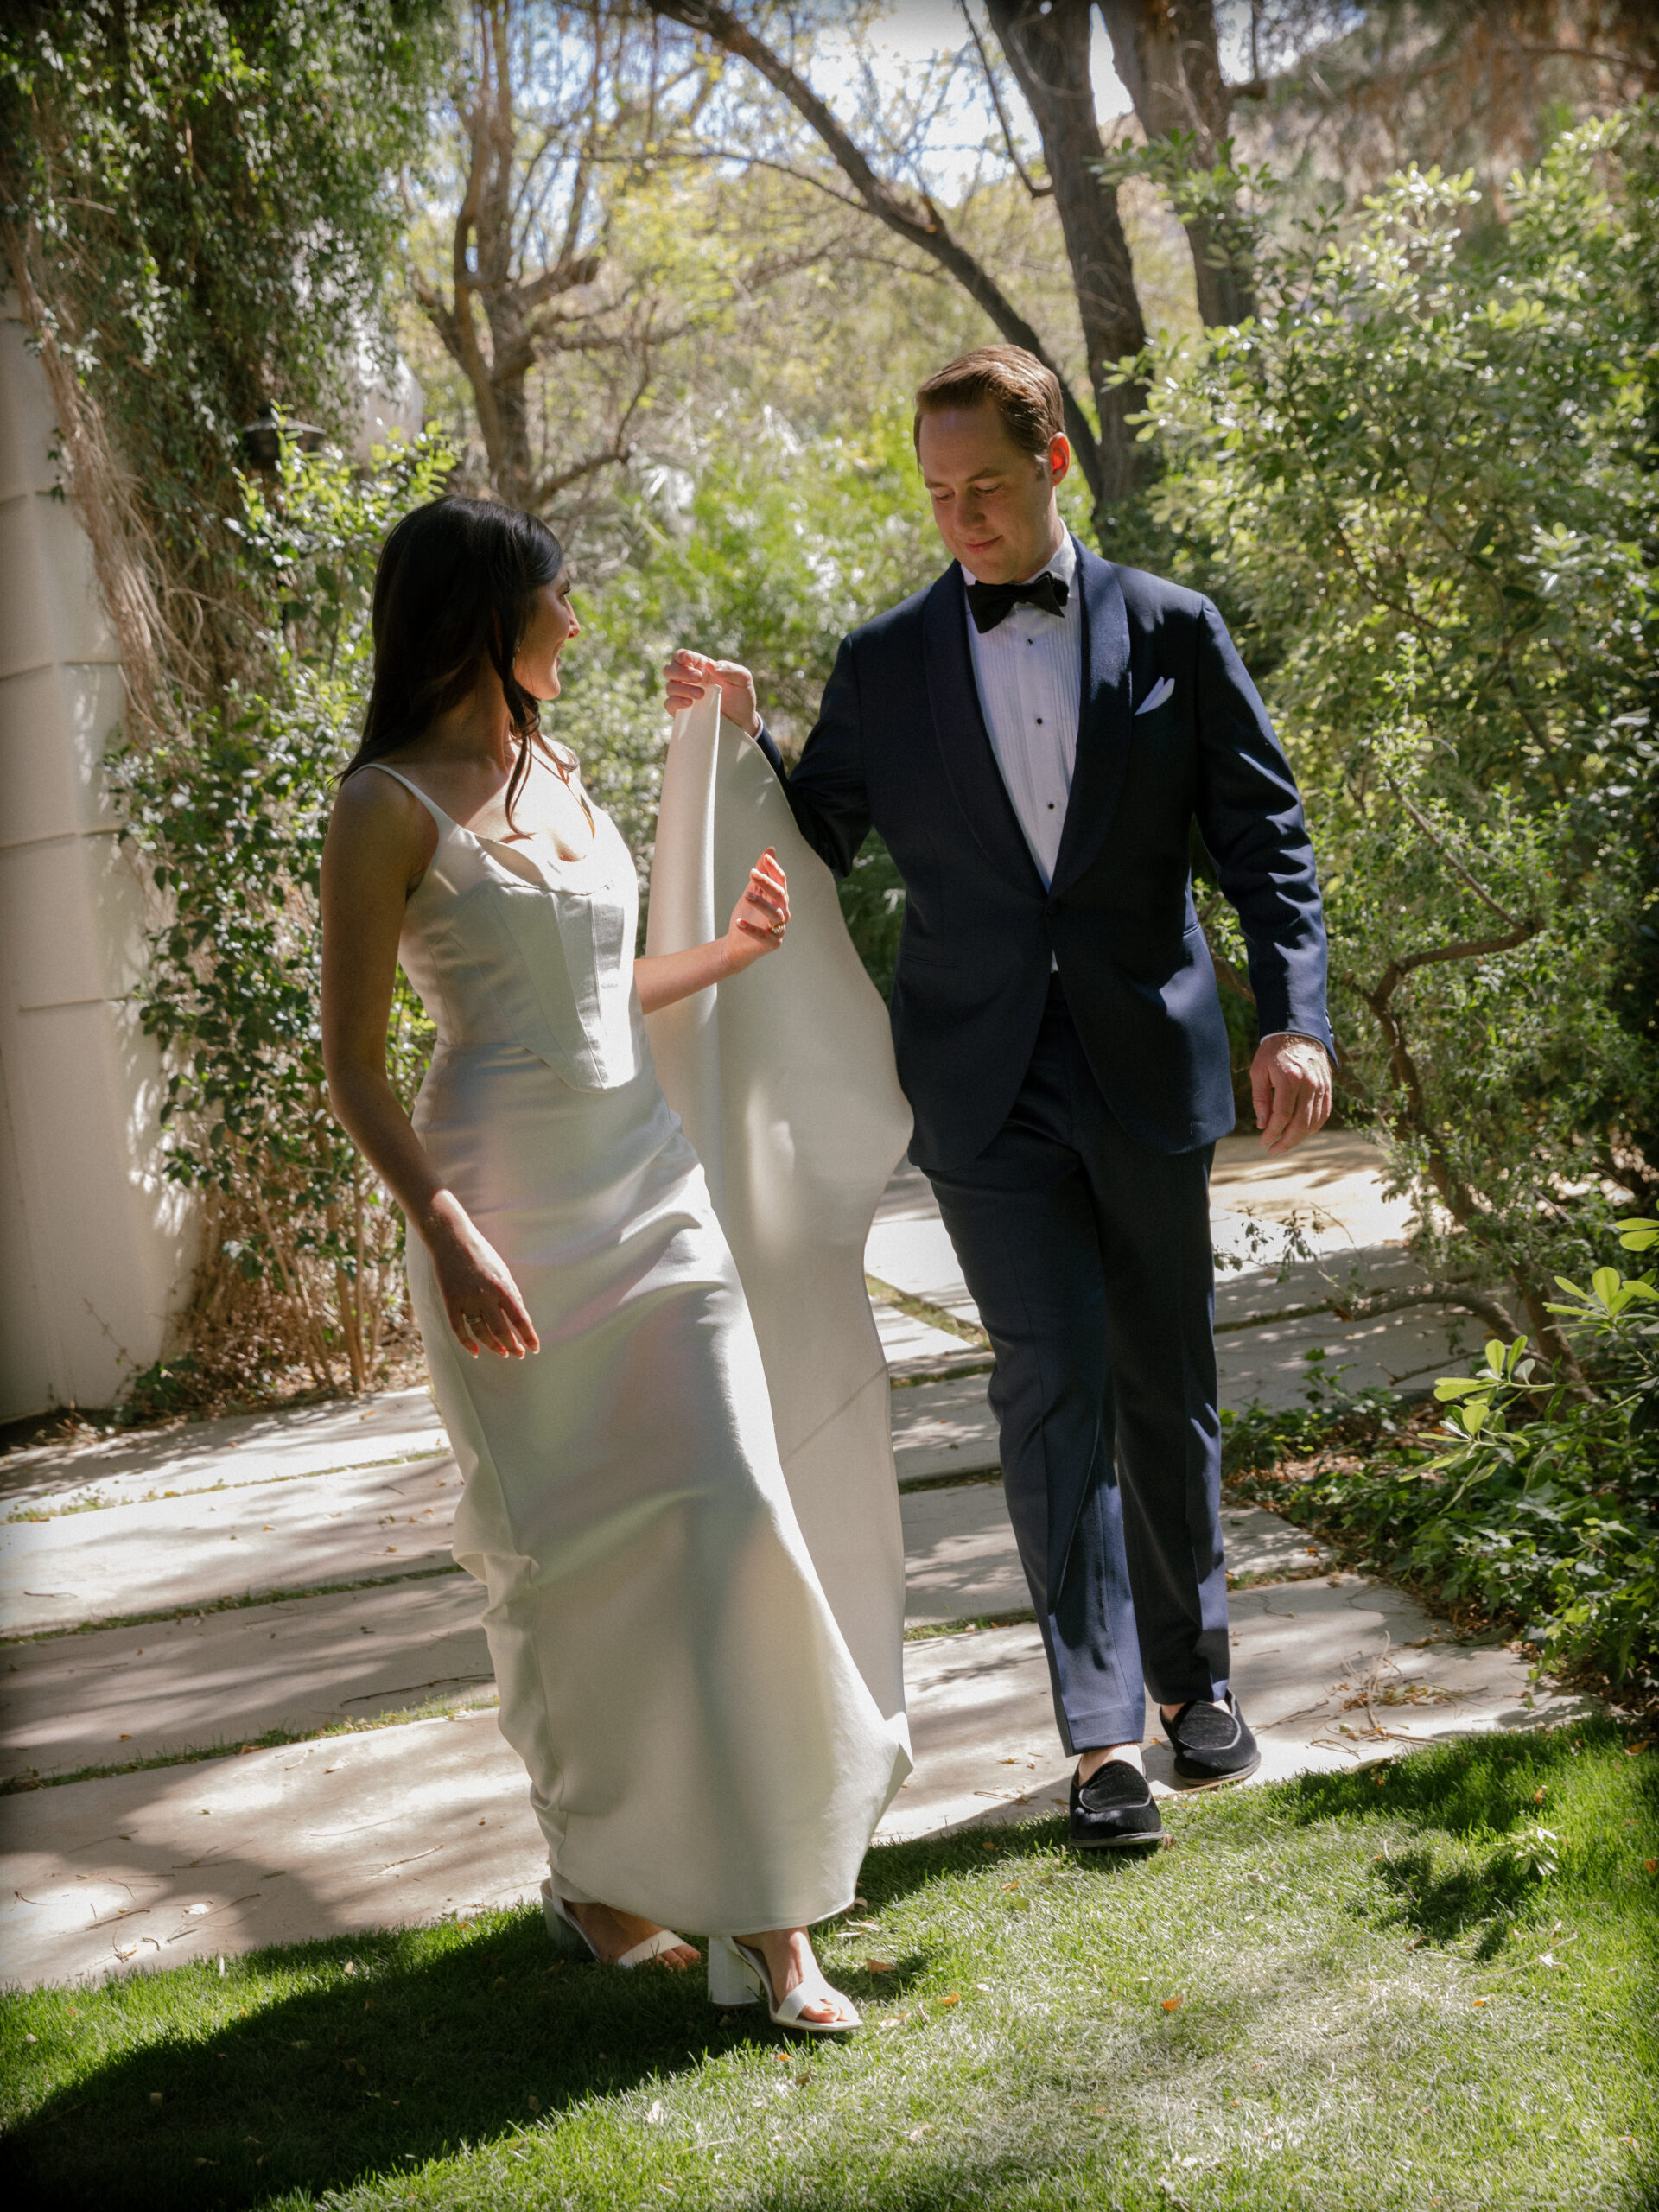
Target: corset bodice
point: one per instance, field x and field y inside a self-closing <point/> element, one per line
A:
<point x="506" y="948"/>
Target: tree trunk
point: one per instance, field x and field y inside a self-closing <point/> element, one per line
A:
<point x="483" y="275"/>
<point x="1167" y="56"/>
<point x="910" y="215"/>
<point x="1047" y="45"/>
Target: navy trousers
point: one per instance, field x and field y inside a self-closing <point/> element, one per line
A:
<point x="1088" y="1258"/>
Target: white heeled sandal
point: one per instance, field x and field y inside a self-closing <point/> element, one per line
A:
<point x="738" y="1976"/>
<point x="570" y="1937"/>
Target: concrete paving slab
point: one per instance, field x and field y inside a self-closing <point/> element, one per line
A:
<point x="1247" y="1296"/>
<point x="1332" y="1185"/>
<point x="408" y="1822"/>
<point x="107" y="1696"/>
<point x="243" y="1447"/>
<point x="1261" y="1547"/>
<point x="960" y="1558"/>
<point x="961" y="1562"/>
<point x="184" y="1552"/>
<point x="116" y="1694"/>
<point x="915" y="1255"/>
<point x="1304" y="1660"/>
<point x="982" y="1724"/>
<point x="371" y="1831"/>
<point x="400" y="1824"/>
<point x="946" y="1428"/>
<point x="1397" y="1350"/>
<point x="908" y="1196"/>
<point x="943" y="1429"/>
<point x="904" y="1338"/>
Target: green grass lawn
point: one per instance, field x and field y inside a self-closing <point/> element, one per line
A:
<point x="1381" y="1989"/>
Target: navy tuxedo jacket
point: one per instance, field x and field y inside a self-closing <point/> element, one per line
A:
<point x="902" y="745"/>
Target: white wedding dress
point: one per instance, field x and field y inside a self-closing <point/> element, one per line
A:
<point x="707" y="1744"/>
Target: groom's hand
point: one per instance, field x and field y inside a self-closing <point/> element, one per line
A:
<point x="1290" y="1083"/>
<point x="688" y="675"/>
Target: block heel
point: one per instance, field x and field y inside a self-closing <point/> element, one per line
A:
<point x="731" y="1980"/>
<point x="738" y="1976"/>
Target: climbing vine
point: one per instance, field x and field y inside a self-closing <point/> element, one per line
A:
<point x="304" y="1249"/>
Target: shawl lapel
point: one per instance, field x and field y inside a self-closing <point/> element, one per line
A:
<point x="965" y="742"/>
<point x="1104" y="726"/>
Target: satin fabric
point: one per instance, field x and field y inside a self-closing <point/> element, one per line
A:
<point x="702" y="1748"/>
<point x="786" y="1083"/>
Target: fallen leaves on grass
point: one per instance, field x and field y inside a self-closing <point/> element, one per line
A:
<point x="879" y="1966"/>
<point x="1172" y="2003"/>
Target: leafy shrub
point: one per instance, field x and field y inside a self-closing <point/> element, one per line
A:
<point x="204" y="194"/>
<point x="1539" y="1499"/>
<point x="1422" y="480"/>
<point x="304" y="1247"/>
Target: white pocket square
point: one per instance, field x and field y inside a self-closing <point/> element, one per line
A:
<point x="1162" y="689"/>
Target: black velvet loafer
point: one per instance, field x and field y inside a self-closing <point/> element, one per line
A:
<point x="1213" y="1745"/>
<point x="1114" y="1808"/>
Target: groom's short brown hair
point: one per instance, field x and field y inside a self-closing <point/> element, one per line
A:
<point x="1024" y="393"/>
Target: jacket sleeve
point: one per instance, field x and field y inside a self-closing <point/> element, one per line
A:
<point x="1251" y="816"/>
<point x="826" y="792"/>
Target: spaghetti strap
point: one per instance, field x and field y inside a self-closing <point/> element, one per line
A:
<point x="443" y="820"/>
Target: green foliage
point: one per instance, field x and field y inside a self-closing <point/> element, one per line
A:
<point x="1541" y="1503"/>
<point x="780" y="547"/>
<point x="208" y="187"/>
<point x="1423" y="480"/>
<point x="231" y="823"/>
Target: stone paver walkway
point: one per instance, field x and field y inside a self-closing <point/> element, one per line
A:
<point x="174" y="1534"/>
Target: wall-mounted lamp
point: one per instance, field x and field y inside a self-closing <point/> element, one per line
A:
<point x="262" y="439"/>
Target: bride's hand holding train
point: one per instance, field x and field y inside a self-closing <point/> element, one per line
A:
<point x="757" y="927"/>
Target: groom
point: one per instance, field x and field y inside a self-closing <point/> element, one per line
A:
<point x="1034" y="737"/>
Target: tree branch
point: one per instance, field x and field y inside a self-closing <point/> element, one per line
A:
<point x="1465" y="948"/>
<point x="1376" y="1303"/>
<point x="921" y="225"/>
<point x="1037" y="191"/>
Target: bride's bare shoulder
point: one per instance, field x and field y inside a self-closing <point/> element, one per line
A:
<point x="374" y="812"/>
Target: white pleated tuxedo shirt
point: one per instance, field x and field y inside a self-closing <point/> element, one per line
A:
<point x="1029" y="673"/>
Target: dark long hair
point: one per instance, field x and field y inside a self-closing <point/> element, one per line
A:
<point x="455" y="583"/>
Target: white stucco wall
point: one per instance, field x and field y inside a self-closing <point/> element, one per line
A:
<point x="95" y="1252"/>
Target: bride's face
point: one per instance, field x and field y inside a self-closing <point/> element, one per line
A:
<point x="552" y="625"/>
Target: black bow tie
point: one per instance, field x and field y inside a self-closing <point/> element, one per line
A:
<point x="990" y="603"/>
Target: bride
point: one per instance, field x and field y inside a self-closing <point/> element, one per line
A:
<point x="700" y="1746"/>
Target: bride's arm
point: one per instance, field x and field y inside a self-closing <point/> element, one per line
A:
<point x="757" y="927"/>
<point x="379" y="841"/>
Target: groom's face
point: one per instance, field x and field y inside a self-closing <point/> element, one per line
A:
<point x="993" y="502"/>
